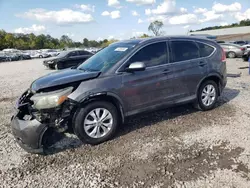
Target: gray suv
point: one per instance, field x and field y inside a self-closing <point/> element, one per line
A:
<point x="123" y="79"/>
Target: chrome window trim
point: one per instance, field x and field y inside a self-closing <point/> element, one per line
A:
<point x="167" y="43"/>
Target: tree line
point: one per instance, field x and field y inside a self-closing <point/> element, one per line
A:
<point x="36" y="42"/>
<point x="240" y="24"/>
<point x="31" y="42"/>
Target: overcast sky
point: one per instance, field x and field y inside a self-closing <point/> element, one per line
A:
<point x="120" y="19"/>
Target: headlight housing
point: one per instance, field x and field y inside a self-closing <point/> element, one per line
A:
<point x="50" y="99"/>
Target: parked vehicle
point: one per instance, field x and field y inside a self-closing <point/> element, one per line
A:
<point x="39" y="54"/>
<point x="240" y="42"/>
<point x="51" y="52"/>
<point x="220" y="41"/>
<point x="247" y="46"/>
<point x="67" y="59"/>
<point x="123" y="79"/>
<point x="233" y="50"/>
<point x="3" y="57"/>
<point x="12" y="56"/>
<point x="246" y="56"/>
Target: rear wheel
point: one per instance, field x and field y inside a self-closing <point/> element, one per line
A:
<point x="97" y="122"/>
<point x="207" y="95"/>
<point x="231" y="54"/>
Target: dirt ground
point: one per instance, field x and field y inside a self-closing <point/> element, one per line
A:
<point x="176" y="147"/>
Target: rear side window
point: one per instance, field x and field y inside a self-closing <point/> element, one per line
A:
<point x="205" y="50"/>
<point x="152" y="55"/>
<point x="84" y="53"/>
<point x="74" y="53"/>
<point x="184" y="50"/>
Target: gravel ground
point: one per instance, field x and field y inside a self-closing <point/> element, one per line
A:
<point x="176" y="147"/>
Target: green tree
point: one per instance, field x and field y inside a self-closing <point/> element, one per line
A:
<point x="155" y="27"/>
<point x="85" y="42"/>
<point x="144" y="36"/>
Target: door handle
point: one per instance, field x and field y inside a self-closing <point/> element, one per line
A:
<point x="202" y="64"/>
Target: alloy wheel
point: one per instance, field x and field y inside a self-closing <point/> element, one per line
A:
<point x="98" y="123"/>
<point x="208" y="95"/>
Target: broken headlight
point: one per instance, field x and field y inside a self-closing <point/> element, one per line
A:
<point x="50" y="99"/>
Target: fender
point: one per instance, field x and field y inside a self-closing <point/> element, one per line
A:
<point x="98" y="95"/>
<point x="215" y="74"/>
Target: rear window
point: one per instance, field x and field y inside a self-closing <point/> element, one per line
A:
<point x="84" y="53"/>
<point x="205" y="50"/>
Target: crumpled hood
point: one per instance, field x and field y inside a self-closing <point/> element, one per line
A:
<point x="62" y="77"/>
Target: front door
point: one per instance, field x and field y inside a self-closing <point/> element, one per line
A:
<point x="144" y="89"/>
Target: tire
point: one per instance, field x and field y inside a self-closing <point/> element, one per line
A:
<point x="56" y="67"/>
<point x="231" y="54"/>
<point x="40" y="56"/>
<point x="201" y="104"/>
<point x="83" y="116"/>
<point x="51" y="67"/>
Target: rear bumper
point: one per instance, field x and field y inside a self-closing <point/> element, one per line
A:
<point x="28" y="134"/>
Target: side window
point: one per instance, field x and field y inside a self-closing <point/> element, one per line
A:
<point x="152" y="55"/>
<point x="84" y="53"/>
<point x="74" y="53"/>
<point x="184" y="50"/>
<point x="205" y="50"/>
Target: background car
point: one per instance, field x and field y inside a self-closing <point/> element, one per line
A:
<point x="51" y="52"/>
<point x="240" y="42"/>
<point x="39" y="54"/>
<point x="3" y="57"/>
<point x="67" y="59"/>
<point x="233" y="50"/>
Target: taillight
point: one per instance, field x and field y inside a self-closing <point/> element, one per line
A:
<point x="242" y="49"/>
<point x="223" y="57"/>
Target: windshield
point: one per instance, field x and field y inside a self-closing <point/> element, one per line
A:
<point x="107" y="57"/>
<point x="62" y="54"/>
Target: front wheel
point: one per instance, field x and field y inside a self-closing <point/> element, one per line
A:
<point x="96" y="123"/>
<point x="207" y="95"/>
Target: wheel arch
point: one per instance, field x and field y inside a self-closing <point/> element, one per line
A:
<point x="214" y="77"/>
<point x="108" y="97"/>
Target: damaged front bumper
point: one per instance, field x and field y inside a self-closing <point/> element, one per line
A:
<point x="29" y="125"/>
<point x="28" y="134"/>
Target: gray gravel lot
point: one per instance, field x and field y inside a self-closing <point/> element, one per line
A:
<point x="176" y="147"/>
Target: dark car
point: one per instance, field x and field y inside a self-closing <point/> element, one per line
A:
<point x="240" y="42"/>
<point x="123" y="79"/>
<point x="67" y="59"/>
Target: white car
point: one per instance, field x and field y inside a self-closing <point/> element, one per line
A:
<point x="51" y="52"/>
<point x="39" y="54"/>
<point x="247" y="46"/>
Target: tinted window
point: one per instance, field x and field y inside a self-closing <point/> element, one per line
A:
<point x="184" y="50"/>
<point x="205" y="50"/>
<point x="84" y="53"/>
<point x="74" y="53"/>
<point x="151" y="55"/>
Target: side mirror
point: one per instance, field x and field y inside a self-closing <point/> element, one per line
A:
<point x="137" y="66"/>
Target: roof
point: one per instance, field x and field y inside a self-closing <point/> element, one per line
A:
<point x="152" y="39"/>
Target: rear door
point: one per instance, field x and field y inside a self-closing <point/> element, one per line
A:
<point x="144" y="89"/>
<point x="72" y="59"/>
<point x="188" y="66"/>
